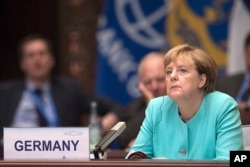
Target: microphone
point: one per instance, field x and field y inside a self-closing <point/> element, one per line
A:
<point x="138" y="155"/>
<point x="108" y="138"/>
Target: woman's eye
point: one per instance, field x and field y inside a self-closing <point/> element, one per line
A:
<point x="183" y="70"/>
<point x="168" y="72"/>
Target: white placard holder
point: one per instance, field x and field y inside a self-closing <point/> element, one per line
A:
<point x="46" y="143"/>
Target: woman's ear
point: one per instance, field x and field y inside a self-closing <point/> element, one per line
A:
<point x="203" y="80"/>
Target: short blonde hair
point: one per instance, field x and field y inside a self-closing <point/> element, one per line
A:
<point x="204" y="63"/>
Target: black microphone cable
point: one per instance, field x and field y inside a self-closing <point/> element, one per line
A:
<point x="138" y="154"/>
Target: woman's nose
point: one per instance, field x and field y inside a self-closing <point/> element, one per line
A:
<point x="173" y="75"/>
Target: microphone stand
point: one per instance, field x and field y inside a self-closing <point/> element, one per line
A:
<point x="99" y="153"/>
<point x="108" y="138"/>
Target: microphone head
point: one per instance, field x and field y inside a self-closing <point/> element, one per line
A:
<point x="138" y="155"/>
<point x="111" y="135"/>
<point x="119" y="127"/>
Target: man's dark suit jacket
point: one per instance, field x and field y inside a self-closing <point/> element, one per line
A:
<point x="231" y="85"/>
<point x="70" y="102"/>
<point x="133" y="114"/>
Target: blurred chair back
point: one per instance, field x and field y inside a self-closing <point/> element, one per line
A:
<point x="246" y="136"/>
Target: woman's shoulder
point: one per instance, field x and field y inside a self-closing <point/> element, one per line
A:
<point x="219" y="96"/>
<point x="157" y="105"/>
<point x="220" y="101"/>
<point x="161" y="100"/>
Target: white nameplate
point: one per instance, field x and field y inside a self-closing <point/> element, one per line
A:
<point x="46" y="143"/>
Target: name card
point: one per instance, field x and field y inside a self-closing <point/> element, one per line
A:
<point x="46" y="143"/>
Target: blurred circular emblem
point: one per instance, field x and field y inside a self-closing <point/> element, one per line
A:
<point x="202" y="24"/>
<point x="138" y="21"/>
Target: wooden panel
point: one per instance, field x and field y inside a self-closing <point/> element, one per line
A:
<point x="19" y="18"/>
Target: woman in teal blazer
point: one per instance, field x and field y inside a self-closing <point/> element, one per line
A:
<point x="193" y="121"/>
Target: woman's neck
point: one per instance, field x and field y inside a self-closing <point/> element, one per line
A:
<point x="189" y="108"/>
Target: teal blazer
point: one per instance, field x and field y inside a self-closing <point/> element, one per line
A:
<point x="212" y="133"/>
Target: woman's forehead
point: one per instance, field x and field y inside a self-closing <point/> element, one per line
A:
<point x="182" y="59"/>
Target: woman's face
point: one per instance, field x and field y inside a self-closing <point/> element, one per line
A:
<point x="183" y="80"/>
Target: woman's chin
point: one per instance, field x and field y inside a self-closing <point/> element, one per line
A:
<point x="175" y="96"/>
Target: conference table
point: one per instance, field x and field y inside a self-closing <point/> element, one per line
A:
<point x="114" y="163"/>
<point x="115" y="158"/>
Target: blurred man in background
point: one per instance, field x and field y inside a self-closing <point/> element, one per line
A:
<point x="42" y="100"/>
<point x="151" y="84"/>
<point x="238" y="86"/>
